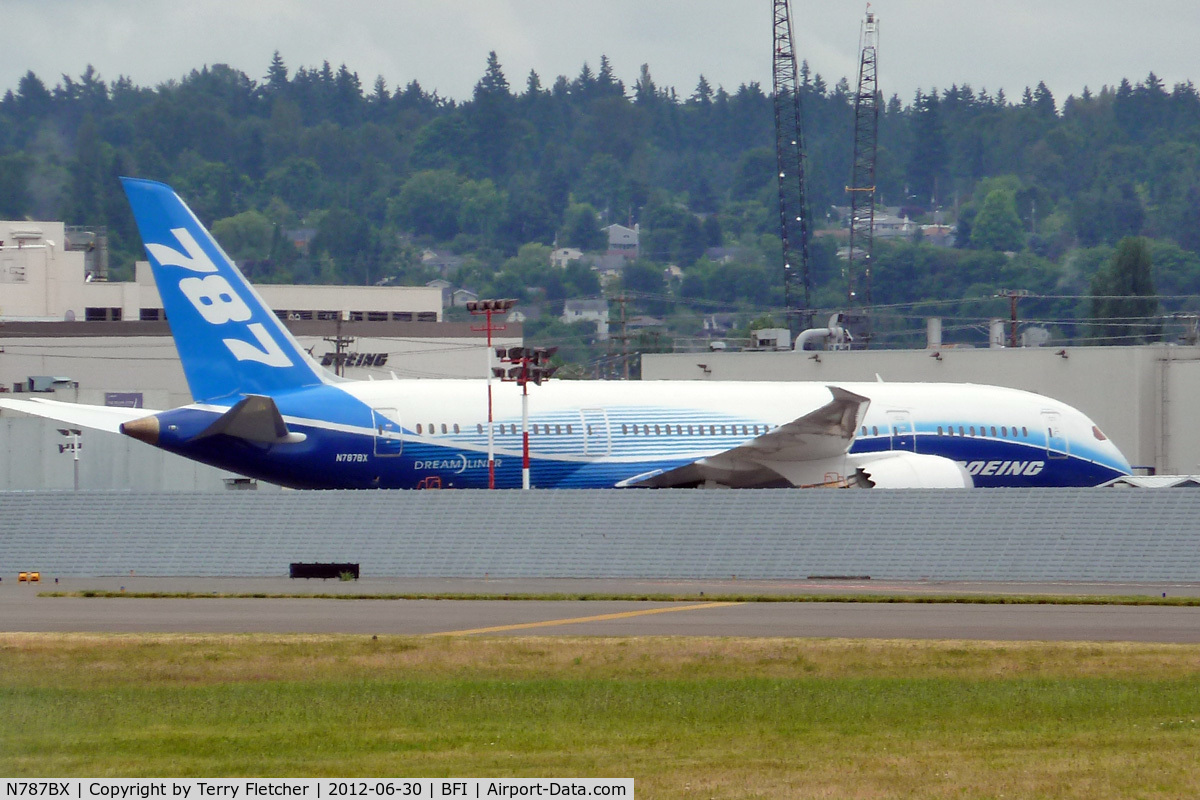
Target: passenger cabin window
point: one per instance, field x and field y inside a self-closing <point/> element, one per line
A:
<point x="418" y="427"/>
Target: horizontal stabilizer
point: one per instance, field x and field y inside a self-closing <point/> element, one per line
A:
<point x="101" y="418"/>
<point x="255" y="419"/>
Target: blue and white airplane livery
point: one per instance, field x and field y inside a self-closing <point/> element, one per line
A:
<point x="264" y="408"/>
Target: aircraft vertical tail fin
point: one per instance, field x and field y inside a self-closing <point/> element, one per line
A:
<point x="229" y="341"/>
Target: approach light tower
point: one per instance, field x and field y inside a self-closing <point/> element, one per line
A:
<point x="862" y="185"/>
<point x="789" y="158"/>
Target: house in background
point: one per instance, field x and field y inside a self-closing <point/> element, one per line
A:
<point x="300" y="238"/>
<point x="594" y="310"/>
<point x="939" y="234"/>
<point x="525" y="313"/>
<point x="565" y="255"/>
<point x="443" y="262"/>
<point x="888" y="226"/>
<point x="623" y="241"/>
<point x="643" y="322"/>
<point x="460" y="297"/>
<point x="446" y="288"/>
<point x="719" y="324"/>
<point x="608" y="268"/>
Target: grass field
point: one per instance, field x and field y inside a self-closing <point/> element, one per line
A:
<point x="685" y="717"/>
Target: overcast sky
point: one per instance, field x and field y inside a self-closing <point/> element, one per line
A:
<point x="443" y="44"/>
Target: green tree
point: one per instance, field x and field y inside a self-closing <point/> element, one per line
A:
<point x="15" y="200"/>
<point x="482" y="210"/>
<point x="429" y="204"/>
<point x="491" y="114"/>
<point x="1123" y="305"/>
<point x="296" y="181"/>
<point x="581" y="228"/>
<point x="1105" y="214"/>
<point x="530" y="262"/>
<point x="351" y="244"/>
<point x="997" y="226"/>
<point x="246" y="236"/>
<point x="927" y="163"/>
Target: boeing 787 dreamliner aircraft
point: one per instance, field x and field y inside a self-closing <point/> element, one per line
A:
<point x="263" y="408"/>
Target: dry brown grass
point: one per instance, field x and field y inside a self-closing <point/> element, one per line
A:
<point x="43" y="659"/>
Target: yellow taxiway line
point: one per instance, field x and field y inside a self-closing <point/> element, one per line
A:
<point x="574" y="620"/>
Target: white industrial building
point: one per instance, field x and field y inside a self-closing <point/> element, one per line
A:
<point x="45" y="275"/>
<point x="60" y="319"/>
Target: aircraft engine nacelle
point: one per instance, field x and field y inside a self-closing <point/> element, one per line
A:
<point x="910" y="471"/>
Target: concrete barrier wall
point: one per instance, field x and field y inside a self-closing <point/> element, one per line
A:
<point x="994" y="535"/>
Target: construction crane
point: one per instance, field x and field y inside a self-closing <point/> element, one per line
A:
<point x="862" y="184"/>
<point x="789" y="157"/>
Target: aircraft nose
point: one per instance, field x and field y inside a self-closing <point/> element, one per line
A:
<point x="145" y="429"/>
<point x="1118" y="458"/>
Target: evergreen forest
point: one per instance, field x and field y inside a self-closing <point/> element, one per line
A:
<point x="1091" y="203"/>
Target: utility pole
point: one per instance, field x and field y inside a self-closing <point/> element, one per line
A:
<point x="1013" y="296"/>
<point x="340" y="343"/>
<point x="623" y="336"/>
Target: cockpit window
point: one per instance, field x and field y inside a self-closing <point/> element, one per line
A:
<point x="1099" y="434"/>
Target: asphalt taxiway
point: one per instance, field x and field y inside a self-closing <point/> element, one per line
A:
<point x="23" y="607"/>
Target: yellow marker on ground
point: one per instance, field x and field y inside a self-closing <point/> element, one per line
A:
<point x="574" y="620"/>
